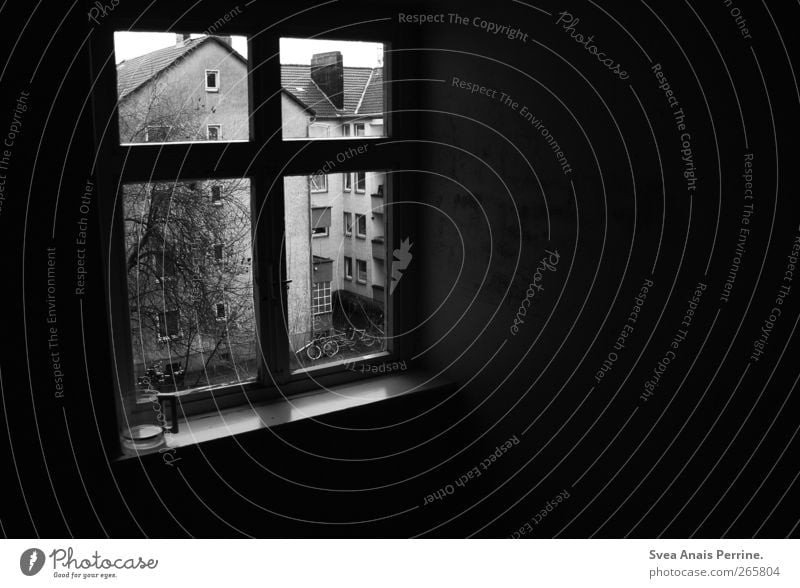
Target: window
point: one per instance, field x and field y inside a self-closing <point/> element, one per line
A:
<point x="169" y="325"/>
<point x="319" y="183"/>
<point x="212" y="80"/>
<point x="361" y="182"/>
<point x="348" y="268"/>
<point x="319" y="232"/>
<point x="346" y="132"/>
<point x="347" y="181"/>
<point x="177" y="321"/>
<point x="164" y="263"/>
<point x="360" y="130"/>
<point x="361" y="226"/>
<point x="348" y="223"/>
<point x="321" y="301"/>
<point x="361" y="266"/>
<point x="156" y="134"/>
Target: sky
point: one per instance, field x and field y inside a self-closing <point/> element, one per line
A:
<point x="297" y="51"/>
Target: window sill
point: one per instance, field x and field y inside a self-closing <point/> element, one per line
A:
<point x="336" y="399"/>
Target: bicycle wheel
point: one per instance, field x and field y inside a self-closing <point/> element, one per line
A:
<point x="330" y="348"/>
<point x="313" y="352"/>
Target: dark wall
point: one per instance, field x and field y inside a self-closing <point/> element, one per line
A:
<point x="491" y="201"/>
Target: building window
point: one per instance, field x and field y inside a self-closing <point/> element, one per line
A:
<point x="346" y="129"/>
<point x="360" y="130"/>
<point x="214" y="132"/>
<point x="347" y="181"/>
<point x="212" y="80"/>
<point x="169" y="325"/>
<point x="348" y="224"/>
<point x="348" y="268"/>
<point x="216" y="195"/>
<point x="319" y="183"/>
<point x="317" y="232"/>
<point x="164" y="263"/>
<point x="156" y="134"/>
<point x="361" y="182"/>
<point x="321" y="300"/>
<point x="219" y="252"/>
<point x="219" y="312"/>
<point x="361" y="267"/>
<point x="361" y="226"/>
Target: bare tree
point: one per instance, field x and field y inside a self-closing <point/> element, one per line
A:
<point x="189" y="279"/>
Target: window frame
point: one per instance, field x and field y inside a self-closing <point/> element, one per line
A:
<point x="216" y="79"/>
<point x="327" y="298"/>
<point x="323" y="190"/>
<point x="358" y="271"/>
<point x="348" y="261"/>
<point x="216" y="195"/>
<point x="358" y="233"/>
<point x="347" y="222"/>
<point x="347" y="182"/>
<point x="219" y="132"/>
<point x="134" y="163"/>
<point x="356" y="183"/>
<point x="326" y="232"/>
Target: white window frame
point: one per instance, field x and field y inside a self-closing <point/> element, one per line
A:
<point x="348" y="261"/>
<point x="364" y="189"/>
<point x="219" y="132"/>
<point x="224" y="317"/>
<point x="363" y="127"/>
<point x="326" y="297"/>
<point x="216" y="79"/>
<point x="347" y="221"/>
<point x="347" y="182"/>
<point x="322" y="190"/>
<point x="358" y="232"/>
<point x="325" y="232"/>
<point x="358" y="271"/>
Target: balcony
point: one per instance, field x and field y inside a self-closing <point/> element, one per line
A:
<point x="379" y="248"/>
<point x="377" y="201"/>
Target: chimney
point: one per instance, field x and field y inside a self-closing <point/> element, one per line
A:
<point x="181" y="39"/>
<point x="327" y="71"/>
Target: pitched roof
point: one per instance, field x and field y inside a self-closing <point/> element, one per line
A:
<point x="363" y="86"/>
<point x="359" y="82"/>
<point x="132" y="73"/>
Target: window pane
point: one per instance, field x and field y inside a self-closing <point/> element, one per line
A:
<point x="337" y="85"/>
<point x="181" y="87"/>
<point x="331" y="315"/>
<point x="190" y="286"/>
